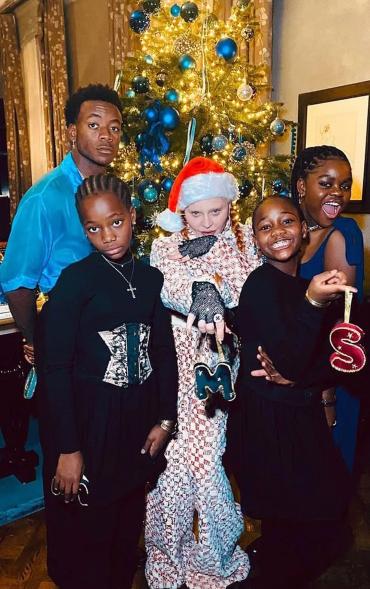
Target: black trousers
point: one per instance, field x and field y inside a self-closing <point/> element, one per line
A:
<point x="93" y="547"/>
<point x="294" y="553"/>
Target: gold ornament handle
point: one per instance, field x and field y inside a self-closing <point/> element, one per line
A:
<point x="348" y="295"/>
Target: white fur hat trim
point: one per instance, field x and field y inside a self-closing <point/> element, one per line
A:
<point x="170" y="221"/>
<point x="205" y="186"/>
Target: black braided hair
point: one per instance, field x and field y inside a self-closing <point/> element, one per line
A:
<point x="91" y="92"/>
<point x="308" y="159"/>
<point x="275" y="197"/>
<point x="103" y="183"/>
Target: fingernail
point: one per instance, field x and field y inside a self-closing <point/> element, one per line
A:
<point x="143" y="451"/>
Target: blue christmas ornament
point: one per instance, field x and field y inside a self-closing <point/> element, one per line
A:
<point x="175" y="10"/>
<point x="140" y="84"/>
<point x="205" y="143"/>
<point x="148" y="59"/>
<point x="130" y="93"/>
<point x="136" y="202"/>
<point x="150" y="114"/>
<point x="186" y="62"/>
<point x="169" y="117"/>
<point x="139" y="21"/>
<point x="277" y="126"/>
<point x="142" y="186"/>
<point x="219" y="142"/>
<point x="166" y="184"/>
<point x="172" y="95"/>
<point x="284" y="193"/>
<point x="245" y="188"/>
<point x="277" y="185"/>
<point x="189" y="11"/>
<point x="150" y="194"/>
<point x="239" y="153"/>
<point x="227" y="48"/>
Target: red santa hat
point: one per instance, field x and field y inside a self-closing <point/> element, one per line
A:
<point x="200" y="179"/>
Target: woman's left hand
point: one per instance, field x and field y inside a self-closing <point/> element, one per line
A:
<point x="155" y="441"/>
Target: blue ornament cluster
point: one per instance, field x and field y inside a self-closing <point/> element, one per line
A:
<point x="139" y="19"/>
<point x="153" y="142"/>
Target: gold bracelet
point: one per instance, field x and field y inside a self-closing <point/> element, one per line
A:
<point x="316" y="303"/>
<point x="167" y="425"/>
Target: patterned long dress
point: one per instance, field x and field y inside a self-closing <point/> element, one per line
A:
<point x="195" y="480"/>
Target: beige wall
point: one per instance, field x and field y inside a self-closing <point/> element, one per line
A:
<point x="87" y="29"/>
<point x="320" y="44"/>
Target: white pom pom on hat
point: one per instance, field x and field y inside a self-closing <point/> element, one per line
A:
<point x="200" y="179"/>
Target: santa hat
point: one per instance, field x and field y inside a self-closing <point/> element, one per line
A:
<point x="200" y="179"/>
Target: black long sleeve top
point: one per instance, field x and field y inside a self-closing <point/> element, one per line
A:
<point x="106" y="362"/>
<point x="273" y="313"/>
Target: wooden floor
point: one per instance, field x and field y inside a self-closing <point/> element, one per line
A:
<point x="23" y="554"/>
<point x="23" y="549"/>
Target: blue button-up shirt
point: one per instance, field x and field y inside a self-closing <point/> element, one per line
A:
<point x="46" y="233"/>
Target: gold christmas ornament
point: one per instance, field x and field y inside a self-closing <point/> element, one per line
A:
<point x="187" y="44"/>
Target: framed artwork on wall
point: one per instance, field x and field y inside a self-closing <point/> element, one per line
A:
<point x="341" y="117"/>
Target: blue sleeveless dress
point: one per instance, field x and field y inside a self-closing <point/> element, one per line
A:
<point x="348" y="406"/>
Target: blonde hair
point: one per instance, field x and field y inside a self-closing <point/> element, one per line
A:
<point x="237" y="228"/>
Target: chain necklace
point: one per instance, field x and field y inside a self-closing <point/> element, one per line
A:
<point x="118" y="263"/>
<point x="130" y="288"/>
<point x="313" y="228"/>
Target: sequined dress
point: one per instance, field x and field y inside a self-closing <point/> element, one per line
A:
<point x="195" y="480"/>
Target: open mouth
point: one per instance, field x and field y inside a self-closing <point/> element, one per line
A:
<point x="281" y="244"/>
<point x="331" y="209"/>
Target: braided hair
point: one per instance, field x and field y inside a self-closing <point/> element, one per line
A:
<point x="236" y="227"/>
<point x="103" y="183"/>
<point x="308" y="159"/>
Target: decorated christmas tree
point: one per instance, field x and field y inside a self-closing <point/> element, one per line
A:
<point x="190" y="90"/>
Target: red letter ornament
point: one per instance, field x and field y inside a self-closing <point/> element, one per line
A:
<point x="349" y="355"/>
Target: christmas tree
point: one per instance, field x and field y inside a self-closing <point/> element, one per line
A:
<point x="190" y="90"/>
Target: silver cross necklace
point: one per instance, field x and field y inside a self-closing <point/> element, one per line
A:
<point x="130" y="288"/>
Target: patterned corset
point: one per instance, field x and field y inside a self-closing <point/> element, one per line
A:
<point x="129" y="363"/>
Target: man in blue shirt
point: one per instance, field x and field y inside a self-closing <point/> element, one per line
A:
<point x="46" y="233"/>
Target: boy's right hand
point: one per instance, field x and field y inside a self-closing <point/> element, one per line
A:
<point x="68" y="475"/>
<point x="324" y="287"/>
